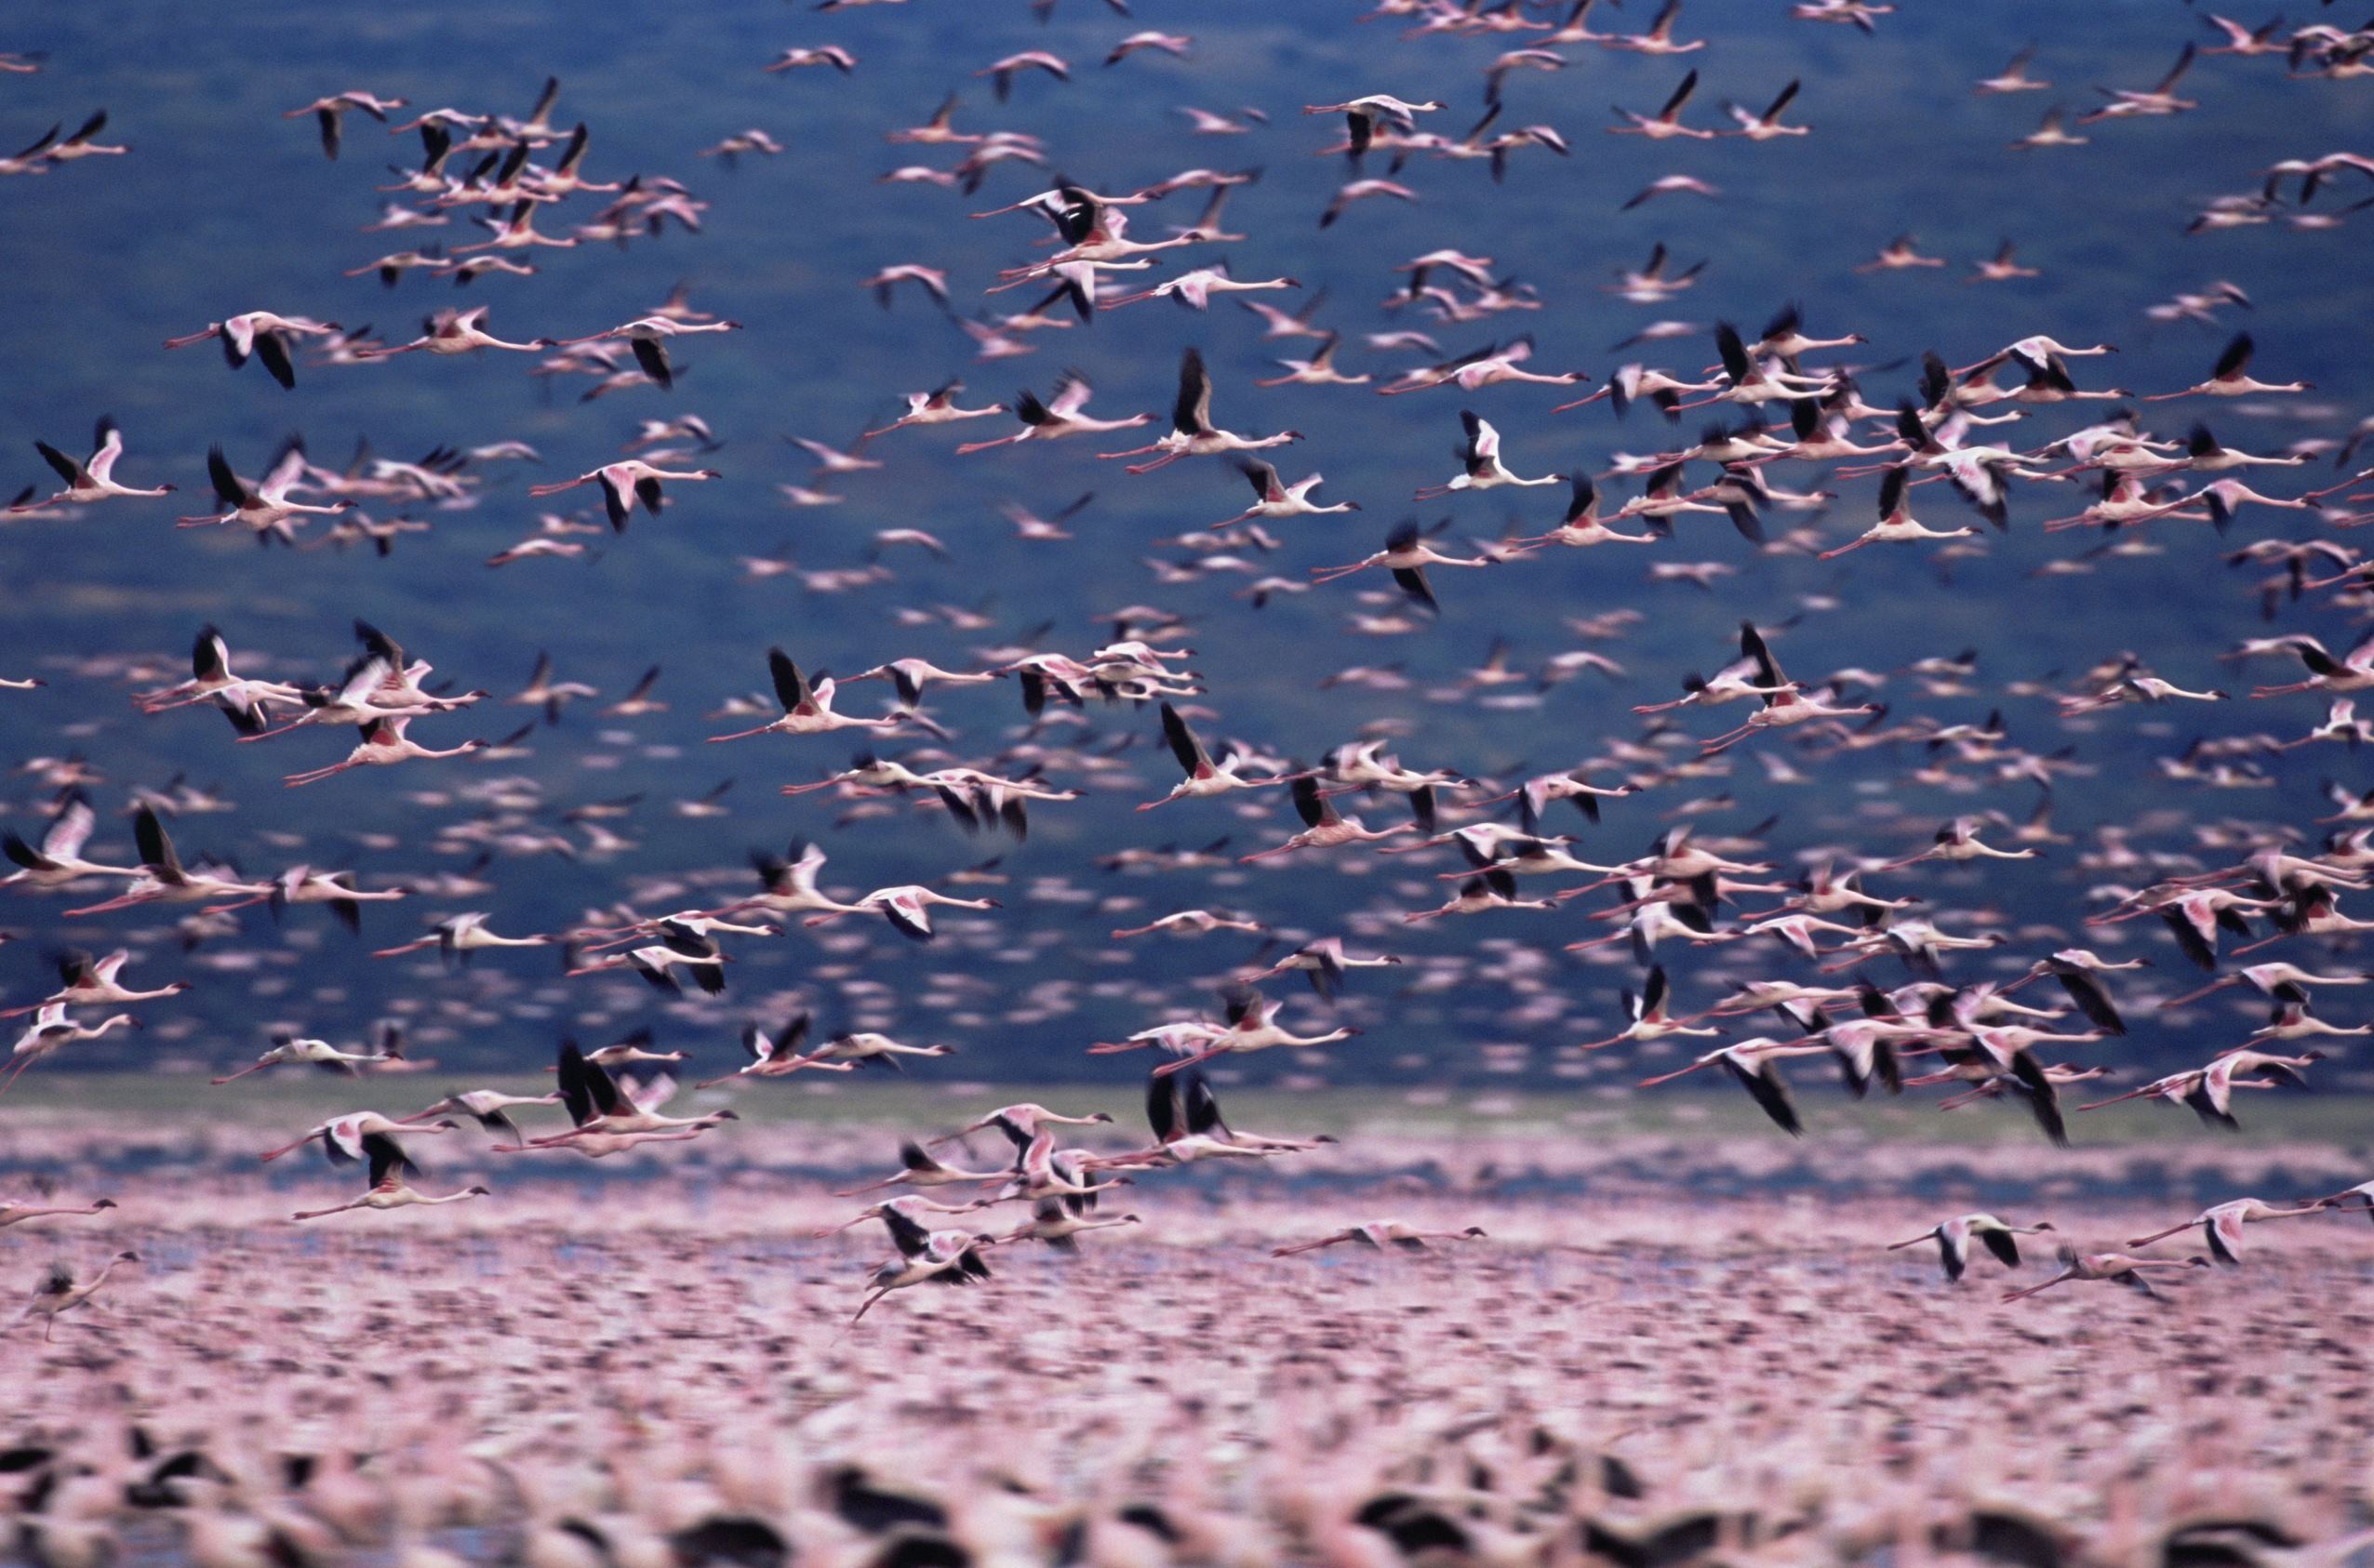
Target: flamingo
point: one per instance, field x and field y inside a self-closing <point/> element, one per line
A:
<point x="777" y="1054"/>
<point x="1480" y="462"/>
<point x="1380" y="1234"/>
<point x="330" y="113"/>
<point x="1407" y="555"/>
<point x="647" y="337"/>
<point x="288" y="1046"/>
<point x="14" y="1212"/>
<point x="58" y="860"/>
<point x="1002" y="71"/>
<point x="808" y="710"/>
<point x="1752" y="1064"/>
<point x="457" y="936"/>
<point x="1317" y="371"/>
<point x="93" y="479"/>
<point x="383" y="744"/>
<point x="341" y="1137"/>
<point x="264" y="507"/>
<point x="832" y="55"/>
<point x="681" y="945"/>
<point x="458" y="332"/>
<point x="1252" y="1025"/>
<point x="1203" y="779"/>
<point x="2221" y="1226"/>
<point x="625" y="482"/>
<point x="2282" y="982"/>
<point x="51" y="1031"/>
<point x="387" y="1188"/>
<point x="1188" y="1127"/>
<point x="935" y="407"/>
<point x="487" y="1107"/>
<point x="1953" y="1237"/>
<point x="854" y="1050"/>
<point x="1324" y="964"/>
<point x="2116" y="1268"/>
<point x="1196" y="289"/>
<point x="950" y="1256"/>
<point x="1649" y="1018"/>
<point x="1275" y="500"/>
<point x="1766" y="125"/>
<point x="908" y="908"/>
<point x="918" y="1168"/>
<point x="162" y="875"/>
<point x="57" y="1294"/>
<point x="2231" y="376"/>
<point x="1666" y="123"/>
<point x="1323" y="829"/>
<point x="1191" y="433"/>
<point x="263" y="335"/>
<point x="1055" y="1221"/>
<point x="1063" y="414"/>
<point x="1896" y="525"/>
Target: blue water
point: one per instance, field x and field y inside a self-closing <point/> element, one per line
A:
<point x="223" y="207"/>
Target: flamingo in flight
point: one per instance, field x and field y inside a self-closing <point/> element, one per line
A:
<point x="1203" y="779"/>
<point x="626" y="482"/>
<point x="1953" y="1238"/>
<point x="92" y="479"/>
<point x="261" y="335"/>
<point x="387" y="1166"/>
<point x="1191" y="431"/>
<point x="808" y="710"/>
<point x="1480" y="465"/>
<point x="1381" y="1234"/>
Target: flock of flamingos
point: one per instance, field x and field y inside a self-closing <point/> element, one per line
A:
<point x="1323" y="1430"/>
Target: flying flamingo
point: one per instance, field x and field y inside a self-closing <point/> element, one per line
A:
<point x="2231" y="376"/>
<point x="907" y="908"/>
<point x="58" y="1292"/>
<point x="1191" y="433"/>
<point x="647" y="336"/>
<point x="1649" y="1018"/>
<point x="806" y="709"/>
<point x="383" y="744"/>
<point x="1203" y="779"/>
<point x="13" y="1212"/>
<point x="87" y="982"/>
<point x="2221" y="1226"/>
<point x="456" y="332"/>
<point x="92" y="479"/>
<point x="1275" y="500"/>
<point x="330" y="113"/>
<point x="288" y="1046"/>
<point x="388" y="1166"/>
<point x="2117" y="1267"/>
<point x="1667" y="122"/>
<point x="1378" y="1234"/>
<point x="458" y="936"/>
<point x="487" y="1107"/>
<point x="1063" y="414"/>
<point x="1480" y="462"/>
<point x="1953" y="1237"/>
<point x="625" y="482"/>
<point x="1323" y="829"/>
<point x="263" y="335"/>
<point x="1252" y="1025"/>
<point x="52" y="1031"/>
<point x="264" y="506"/>
<point x="341" y="1137"/>
<point x="1407" y="555"/>
<point x="162" y="875"/>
